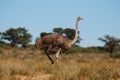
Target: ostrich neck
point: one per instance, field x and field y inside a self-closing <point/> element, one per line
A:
<point x="76" y="34"/>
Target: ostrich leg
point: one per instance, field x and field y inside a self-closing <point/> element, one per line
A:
<point x="50" y="58"/>
<point x="57" y="54"/>
<point x="47" y="53"/>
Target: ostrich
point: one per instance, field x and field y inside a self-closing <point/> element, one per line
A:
<point x="57" y="41"/>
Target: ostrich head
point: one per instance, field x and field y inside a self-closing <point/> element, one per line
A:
<point x="79" y="18"/>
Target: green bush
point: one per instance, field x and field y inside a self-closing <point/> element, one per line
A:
<point x="77" y="49"/>
<point x="74" y="49"/>
<point x="115" y="55"/>
<point x="4" y="45"/>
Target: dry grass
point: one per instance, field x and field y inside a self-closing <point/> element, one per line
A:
<point x="20" y="64"/>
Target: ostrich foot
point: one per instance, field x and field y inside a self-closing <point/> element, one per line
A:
<point x="52" y="62"/>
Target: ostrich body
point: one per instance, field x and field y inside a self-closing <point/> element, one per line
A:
<point x="57" y="41"/>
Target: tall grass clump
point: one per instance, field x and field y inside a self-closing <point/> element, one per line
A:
<point x="106" y="69"/>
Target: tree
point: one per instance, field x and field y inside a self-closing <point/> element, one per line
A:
<point x="44" y="33"/>
<point x="110" y="42"/>
<point x="58" y="30"/>
<point x="17" y="36"/>
<point x="24" y="37"/>
<point x="10" y="35"/>
<point x="70" y="33"/>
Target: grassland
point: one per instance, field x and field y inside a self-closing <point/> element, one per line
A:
<point x="27" y="64"/>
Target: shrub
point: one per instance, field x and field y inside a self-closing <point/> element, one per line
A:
<point x="115" y="55"/>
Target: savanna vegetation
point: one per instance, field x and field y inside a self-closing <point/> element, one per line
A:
<point x="25" y="62"/>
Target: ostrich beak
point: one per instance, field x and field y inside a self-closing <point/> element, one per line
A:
<point x="81" y="18"/>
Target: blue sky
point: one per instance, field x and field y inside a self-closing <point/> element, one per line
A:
<point x="101" y="17"/>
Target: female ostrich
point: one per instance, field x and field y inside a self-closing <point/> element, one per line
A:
<point x="57" y="41"/>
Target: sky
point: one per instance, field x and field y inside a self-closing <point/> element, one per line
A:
<point x="101" y="17"/>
